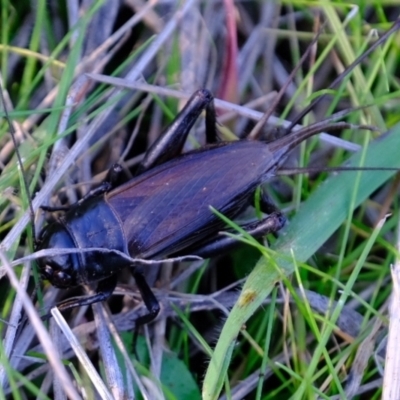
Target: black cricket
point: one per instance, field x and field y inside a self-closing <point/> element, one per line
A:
<point x="165" y="210"/>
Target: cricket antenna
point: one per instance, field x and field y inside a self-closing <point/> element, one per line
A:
<point x="21" y="165"/>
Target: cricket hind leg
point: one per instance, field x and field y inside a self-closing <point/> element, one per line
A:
<point x="272" y="223"/>
<point x="170" y="143"/>
<point x="223" y="244"/>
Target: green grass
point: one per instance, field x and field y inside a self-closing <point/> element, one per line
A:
<point x="295" y="313"/>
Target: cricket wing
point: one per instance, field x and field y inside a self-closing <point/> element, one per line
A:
<point x="167" y="209"/>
